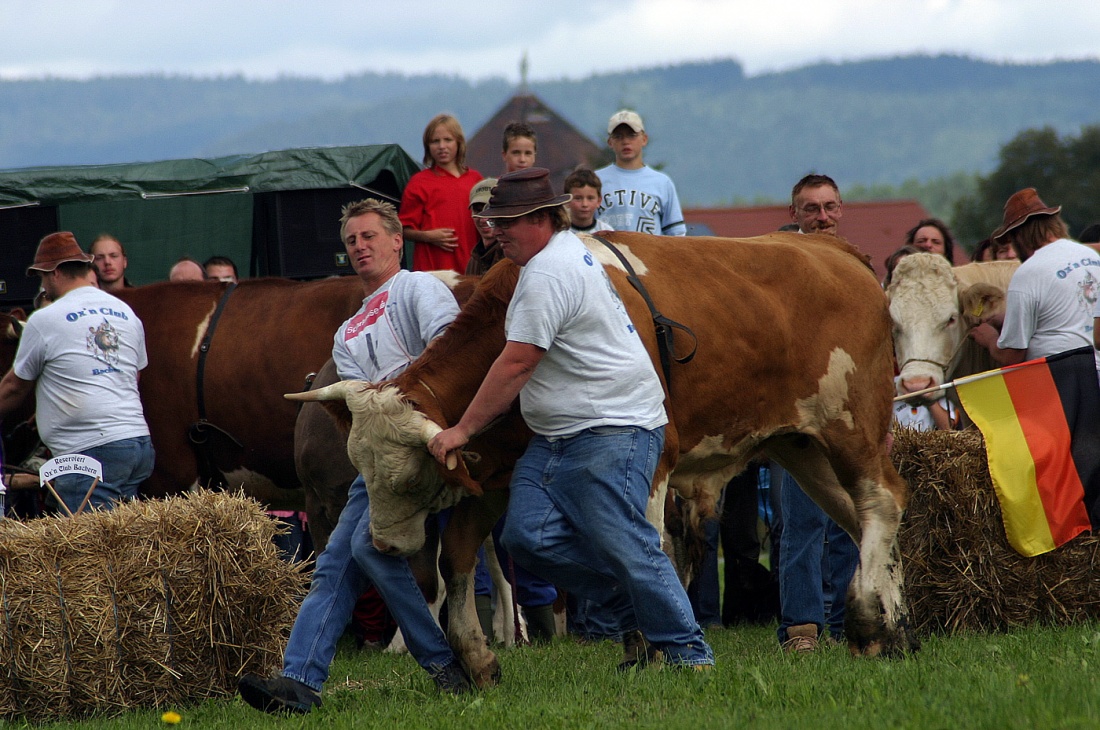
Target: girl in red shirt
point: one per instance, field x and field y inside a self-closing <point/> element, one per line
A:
<point x="434" y="209"/>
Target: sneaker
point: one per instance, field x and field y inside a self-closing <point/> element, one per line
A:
<point x="801" y="639"/>
<point x="278" y="695"/>
<point x="637" y="652"/>
<point x="452" y="679"/>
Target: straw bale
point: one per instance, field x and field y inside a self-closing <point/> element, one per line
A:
<point x="162" y="602"/>
<point x="960" y="572"/>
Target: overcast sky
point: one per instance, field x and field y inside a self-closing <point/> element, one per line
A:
<point x="567" y="38"/>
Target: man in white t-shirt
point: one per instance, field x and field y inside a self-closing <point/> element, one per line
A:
<point x="587" y="388"/>
<point x="81" y="355"/>
<point x="1051" y="299"/>
<point x="402" y="312"/>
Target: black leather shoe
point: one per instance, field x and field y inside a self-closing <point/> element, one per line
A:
<point x="452" y="680"/>
<point x="278" y="695"/>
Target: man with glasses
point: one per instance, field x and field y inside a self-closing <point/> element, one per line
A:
<point x="816" y="557"/>
<point x="636" y="197"/>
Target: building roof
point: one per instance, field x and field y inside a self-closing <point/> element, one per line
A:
<point x="878" y="228"/>
<point x="561" y="146"/>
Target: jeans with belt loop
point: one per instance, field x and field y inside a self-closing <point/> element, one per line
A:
<point x="577" y="517"/>
<point x="347" y="566"/>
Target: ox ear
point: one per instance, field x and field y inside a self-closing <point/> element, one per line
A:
<point x="456" y="471"/>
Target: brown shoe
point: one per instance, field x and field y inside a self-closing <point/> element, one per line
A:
<point x="637" y="652"/>
<point x="801" y="639"/>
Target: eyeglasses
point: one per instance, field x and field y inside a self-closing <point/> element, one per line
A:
<point x="814" y="208"/>
<point x="625" y="135"/>
<point x="502" y="223"/>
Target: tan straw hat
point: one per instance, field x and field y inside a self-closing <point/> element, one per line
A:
<point x="1021" y="206"/>
<point x="56" y="249"/>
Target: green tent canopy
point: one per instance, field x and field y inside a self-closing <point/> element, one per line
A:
<point x="274" y="214"/>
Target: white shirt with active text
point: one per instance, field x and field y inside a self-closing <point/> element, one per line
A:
<point x="84" y="351"/>
<point x="595" y="372"/>
<point x="393" y="327"/>
<point x="642" y="200"/>
<point x="1050" y="300"/>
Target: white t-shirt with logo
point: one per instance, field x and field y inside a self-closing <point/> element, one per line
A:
<point x="393" y="327"/>
<point x="84" y="351"/>
<point x="1050" y="300"/>
<point x="595" y="372"/>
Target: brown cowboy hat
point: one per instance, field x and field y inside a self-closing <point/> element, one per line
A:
<point x="521" y="192"/>
<point x="56" y="249"/>
<point x="1021" y="206"/>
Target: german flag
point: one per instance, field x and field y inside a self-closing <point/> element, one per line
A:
<point x="1041" y="422"/>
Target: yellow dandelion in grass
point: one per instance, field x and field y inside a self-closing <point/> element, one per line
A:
<point x="170" y="717"/>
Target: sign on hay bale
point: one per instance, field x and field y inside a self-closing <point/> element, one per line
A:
<point x="960" y="572"/>
<point x="155" y="603"/>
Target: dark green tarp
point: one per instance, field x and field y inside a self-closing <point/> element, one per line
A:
<point x="275" y="213"/>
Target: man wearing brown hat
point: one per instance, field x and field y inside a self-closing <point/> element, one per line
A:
<point x="81" y="355"/>
<point x="587" y="388"/>
<point x="1051" y="298"/>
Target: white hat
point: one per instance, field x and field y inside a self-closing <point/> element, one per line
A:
<point x="627" y="117"/>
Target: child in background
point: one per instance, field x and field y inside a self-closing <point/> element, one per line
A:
<point x="434" y="210"/>
<point x="519" y="147"/>
<point x="923" y="415"/>
<point x="585" y="187"/>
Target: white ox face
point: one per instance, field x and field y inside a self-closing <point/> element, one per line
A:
<point x="388" y="445"/>
<point x="927" y="327"/>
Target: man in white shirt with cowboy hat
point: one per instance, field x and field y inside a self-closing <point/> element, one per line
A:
<point x="81" y="355"/>
<point x="587" y="388"/>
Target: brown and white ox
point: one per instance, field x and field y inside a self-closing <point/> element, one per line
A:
<point x="270" y="335"/>
<point x="801" y="374"/>
<point x="933" y="306"/>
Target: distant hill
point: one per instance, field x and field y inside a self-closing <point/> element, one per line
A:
<point x="721" y="135"/>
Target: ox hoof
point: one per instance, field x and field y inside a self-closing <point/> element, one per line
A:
<point x="488" y="675"/>
<point x="897" y="644"/>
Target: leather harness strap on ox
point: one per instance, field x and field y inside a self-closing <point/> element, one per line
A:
<point x="201" y="432"/>
<point x="666" y="341"/>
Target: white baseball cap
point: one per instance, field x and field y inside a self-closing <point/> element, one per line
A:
<point x="627" y="117"/>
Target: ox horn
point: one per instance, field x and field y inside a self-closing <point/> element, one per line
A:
<point x="427" y="431"/>
<point x="336" y="391"/>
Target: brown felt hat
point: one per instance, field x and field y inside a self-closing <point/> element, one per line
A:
<point x="56" y="249"/>
<point x="522" y="192"/>
<point x="1021" y="206"/>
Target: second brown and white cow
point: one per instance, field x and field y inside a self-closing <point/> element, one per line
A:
<point x="932" y="306"/>
<point x="802" y="374"/>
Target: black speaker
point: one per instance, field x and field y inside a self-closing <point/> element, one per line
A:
<point x="296" y="233"/>
<point x="20" y="231"/>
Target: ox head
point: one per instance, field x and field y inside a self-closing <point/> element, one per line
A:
<point x="924" y="308"/>
<point x="387" y="443"/>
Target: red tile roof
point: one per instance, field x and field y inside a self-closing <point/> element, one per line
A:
<point x="878" y="228"/>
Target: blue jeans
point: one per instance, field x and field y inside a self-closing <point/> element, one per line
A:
<point x="126" y="464"/>
<point x="576" y="516"/>
<point x="703" y="590"/>
<point x="348" y="565"/>
<point x="817" y="560"/>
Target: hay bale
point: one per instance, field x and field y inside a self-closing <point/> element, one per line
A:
<point x="960" y="572"/>
<point x="156" y="603"/>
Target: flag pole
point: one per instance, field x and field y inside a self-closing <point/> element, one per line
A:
<point x="964" y="380"/>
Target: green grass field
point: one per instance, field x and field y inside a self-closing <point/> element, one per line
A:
<point x="1037" y="678"/>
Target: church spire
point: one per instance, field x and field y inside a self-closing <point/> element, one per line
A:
<point x="523" y="65"/>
